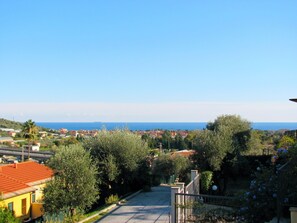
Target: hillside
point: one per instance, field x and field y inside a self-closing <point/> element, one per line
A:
<point x="4" y="123"/>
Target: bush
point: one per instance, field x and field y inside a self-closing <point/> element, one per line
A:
<point x="6" y="216"/>
<point x="112" y="199"/>
<point x="206" y="180"/>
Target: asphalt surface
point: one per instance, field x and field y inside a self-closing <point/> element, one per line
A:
<point x="145" y="207"/>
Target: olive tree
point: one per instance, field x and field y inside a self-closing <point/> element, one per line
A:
<point x="119" y="155"/>
<point x="221" y="145"/>
<point x="74" y="185"/>
<point x="227" y="136"/>
<point x="168" y="165"/>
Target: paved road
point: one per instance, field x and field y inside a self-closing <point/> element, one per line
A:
<point x="146" y="207"/>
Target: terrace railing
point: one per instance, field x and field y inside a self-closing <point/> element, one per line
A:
<point x="188" y="205"/>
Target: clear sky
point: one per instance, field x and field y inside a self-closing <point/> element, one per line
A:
<point x="148" y="60"/>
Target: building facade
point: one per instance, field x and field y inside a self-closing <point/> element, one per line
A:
<point x="21" y="188"/>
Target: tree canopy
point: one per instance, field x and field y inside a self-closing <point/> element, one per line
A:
<point x="167" y="165"/>
<point x="74" y="185"/>
<point x="119" y="155"/>
<point x="30" y="130"/>
<point x="228" y="134"/>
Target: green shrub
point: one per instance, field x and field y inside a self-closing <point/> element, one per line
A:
<point x="112" y="199"/>
<point x="6" y="216"/>
<point x="206" y="180"/>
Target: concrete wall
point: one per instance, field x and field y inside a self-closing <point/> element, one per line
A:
<point x="293" y="211"/>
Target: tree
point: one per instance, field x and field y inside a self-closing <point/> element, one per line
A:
<point x="167" y="165"/>
<point x="152" y="143"/>
<point x="68" y="141"/>
<point x="119" y="155"/>
<point x="6" y="216"/>
<point x="180" y="142"/>
<point x="255" y="145"/>
<point x="189" y="140"/>
<point x="74" y="186"/>
<point x="30" y="132"/>
<point x="220" y="147"/>
<point x="227" y="135"/>
<point x="166" y="139"/>
<point x="286" y="142"/>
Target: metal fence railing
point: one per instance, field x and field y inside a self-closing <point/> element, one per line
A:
<point x="200" y="208"/>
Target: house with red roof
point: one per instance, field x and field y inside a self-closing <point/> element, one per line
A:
<point x="21" y="188"/>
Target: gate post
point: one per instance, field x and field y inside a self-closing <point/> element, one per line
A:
<point x="194" y="173"/>
<point x="181" y="201"/>
<point x="195" y="178"/>
<point x="174" y="203"/>
<point x="181" y="185"/>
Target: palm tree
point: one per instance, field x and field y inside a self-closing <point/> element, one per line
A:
<point x="30" y="131"/>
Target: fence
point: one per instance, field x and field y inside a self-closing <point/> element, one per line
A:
<point x="196" y="208"/>
<point x="192" y="188"/>
<point x="188" y="205"/>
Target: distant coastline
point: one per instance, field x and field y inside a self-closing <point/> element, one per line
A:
<point x="142" y="126"/>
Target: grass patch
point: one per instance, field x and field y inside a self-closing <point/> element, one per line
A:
<point x="95" y="211"/>
<point x="95" y="218"/>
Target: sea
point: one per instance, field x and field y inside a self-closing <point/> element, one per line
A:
<point x="143" y="126"/>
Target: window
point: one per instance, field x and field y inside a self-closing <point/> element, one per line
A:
<point x="10" y="206"/>
<point x="24" y="206"/>
<point x="33" y="197"/>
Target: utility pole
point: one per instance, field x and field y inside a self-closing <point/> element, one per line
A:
<point x="23" y="154"/>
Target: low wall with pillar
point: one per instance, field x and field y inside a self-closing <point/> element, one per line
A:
<point x="192" y="188"/>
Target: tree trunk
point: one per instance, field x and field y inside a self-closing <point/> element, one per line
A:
<point x="72" y="214"/>
<point x="29" y="148"/>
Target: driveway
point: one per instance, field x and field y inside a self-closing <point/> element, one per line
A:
<point x="145" y="207"/>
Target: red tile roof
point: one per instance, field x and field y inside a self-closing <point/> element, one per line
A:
<point x="20" y="176"/>
<point x="8" y="184"/>
<point x="184" y="153"/>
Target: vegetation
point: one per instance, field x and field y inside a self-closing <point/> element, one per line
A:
<point x="286" y="142"/>
<point x="30" y="130"/>
<point x="6" y="216"/>
<point x="112" y="199"/>
<point x="4" y="123"/>
<point x="221" y="146"/>
<point x="74" y="186"/>
<point x="223" y="139"/>
<point x="122" y="159"/>
<point x="168" y="142"/>
<point x="66" y="141"/>
<point x="206" y="180"/>
<point x="272" y="188"/>
<point x="166" y="166"/>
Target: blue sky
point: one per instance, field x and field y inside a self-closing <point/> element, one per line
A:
<point x="148" y="60"/>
